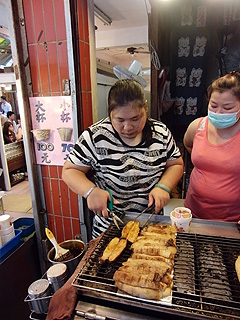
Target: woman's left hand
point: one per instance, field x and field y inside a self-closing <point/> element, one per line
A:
<point x="160" y="197"/>
<point x="170" y="178"/>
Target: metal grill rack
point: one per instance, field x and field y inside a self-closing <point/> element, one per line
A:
<point x="205" y="281"/>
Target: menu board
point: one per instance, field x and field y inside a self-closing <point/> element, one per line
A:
<point x="52" y="128"/>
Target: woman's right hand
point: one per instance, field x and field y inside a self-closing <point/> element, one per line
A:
<point x="97" y="202"/>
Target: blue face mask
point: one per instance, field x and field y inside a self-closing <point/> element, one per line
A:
<point x="222" y="120"/>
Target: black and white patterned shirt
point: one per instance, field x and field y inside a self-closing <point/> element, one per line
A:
<point x="130" y="172"/>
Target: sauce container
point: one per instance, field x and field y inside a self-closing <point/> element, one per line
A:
<point x="77" y="249"/>
<point x="37" y="292"/>
<point x="57" y="275"/>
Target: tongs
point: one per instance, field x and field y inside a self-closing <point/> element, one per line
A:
<point x="110" y="211"/>
<point x="151" y="211"/>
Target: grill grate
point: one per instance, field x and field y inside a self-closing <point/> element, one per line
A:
<point x="205" y="277"/>
<point x="205" y="281"/>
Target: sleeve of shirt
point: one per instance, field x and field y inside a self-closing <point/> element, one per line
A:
<point x="173" y="151"/>
<point x="83" y="153"/>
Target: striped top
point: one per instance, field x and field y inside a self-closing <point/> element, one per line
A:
<point x="130" y="172"/>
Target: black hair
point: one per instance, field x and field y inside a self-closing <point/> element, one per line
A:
<point x="4" y="98"/>
<point x="123" y="92"/>
<point x="9" y="113"/>
<point x="229" y="82"/>
<point x="6" y="125"/>
<point x="8" y="138"/>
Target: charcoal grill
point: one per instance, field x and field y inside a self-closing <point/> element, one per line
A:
<point x="205" y="281"/>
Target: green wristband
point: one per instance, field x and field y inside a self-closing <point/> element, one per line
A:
<point x="162" y="186"/>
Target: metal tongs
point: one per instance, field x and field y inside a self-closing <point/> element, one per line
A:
<point x="151" y="212"/>
<point x="110" y="210"/>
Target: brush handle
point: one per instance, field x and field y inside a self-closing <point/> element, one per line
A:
<point x="51" y="237"/>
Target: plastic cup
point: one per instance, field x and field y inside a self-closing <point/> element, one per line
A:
<point x="8" y="237"/>
<point x="181" y="218"/>
<point x="5" y="221"/>
<point x="5" y="232"/>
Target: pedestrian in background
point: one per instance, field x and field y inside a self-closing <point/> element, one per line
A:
<point x="5" y="106"/>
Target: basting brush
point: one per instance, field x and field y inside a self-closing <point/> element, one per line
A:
<point x="60" y="253"/>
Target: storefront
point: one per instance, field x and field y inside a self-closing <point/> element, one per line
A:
<point x="55" y="74"/>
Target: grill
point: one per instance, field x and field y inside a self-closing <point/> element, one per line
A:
<point x="205" y="281"/>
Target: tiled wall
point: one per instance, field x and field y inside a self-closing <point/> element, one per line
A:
<point x="47" y="46"/>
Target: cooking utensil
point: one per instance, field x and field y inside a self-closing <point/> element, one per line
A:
<point x="110" y="210"/>
<point x="144" y="211"/>
<point x="148" y="219"/>
<point x="76" y="247"/>
<point x="193" y="282"/>
<point x="149" y="210"/>
<point x="60" y="253"/>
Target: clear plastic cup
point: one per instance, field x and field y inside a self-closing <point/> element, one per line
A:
<point x="181" y="218"/>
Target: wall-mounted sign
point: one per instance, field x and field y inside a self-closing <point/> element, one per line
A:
<point x="52" y="128"/>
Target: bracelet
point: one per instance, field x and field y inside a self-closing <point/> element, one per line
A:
<point x="89" y="192"/>
<point x="162" y="186"/>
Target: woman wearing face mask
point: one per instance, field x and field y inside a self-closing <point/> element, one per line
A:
<point x="213" y="141"/>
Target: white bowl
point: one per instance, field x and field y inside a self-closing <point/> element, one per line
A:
<point x="65" y="133"/>
<point x="41" y="134"/>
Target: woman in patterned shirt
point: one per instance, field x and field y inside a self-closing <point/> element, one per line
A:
<point x="134" y="156"/>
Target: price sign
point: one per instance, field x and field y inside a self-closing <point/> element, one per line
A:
<point x="52" y="115"/>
